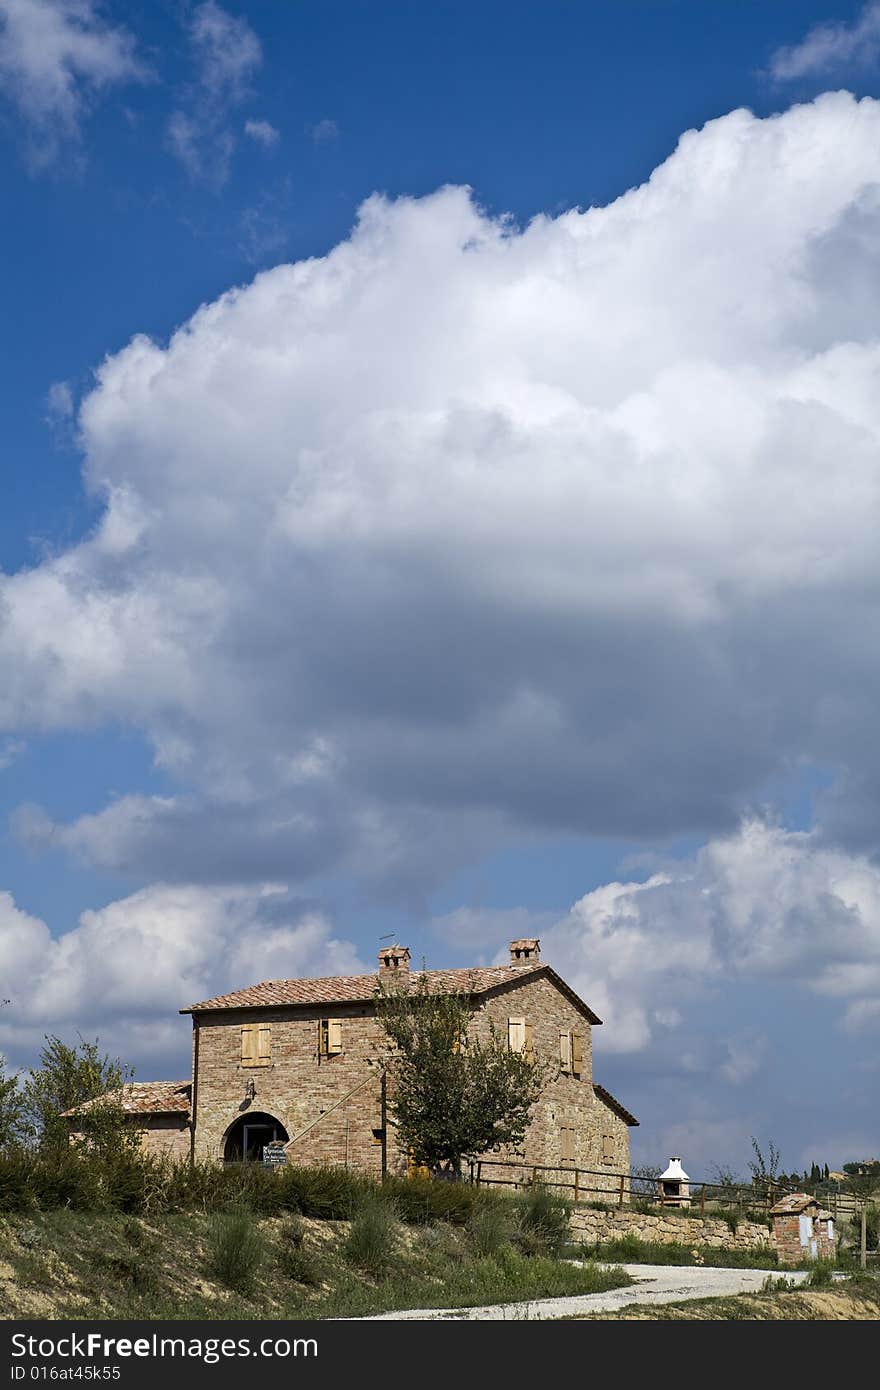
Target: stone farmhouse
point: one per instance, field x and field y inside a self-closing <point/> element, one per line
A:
<point x="302" y="1064"/>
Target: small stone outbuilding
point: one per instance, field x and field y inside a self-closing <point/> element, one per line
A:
<point x="802" y="1230"/>
<point x="159" y="1111"/>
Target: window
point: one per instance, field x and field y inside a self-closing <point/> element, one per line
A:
<point x="256" y="1045"/>
<point x="519" y="1037"/>
<point x="607" y="1148"/>
<point x="566" y="1143"/>
<point x="571" y="1053"/>
<point x="330" y="1037"/>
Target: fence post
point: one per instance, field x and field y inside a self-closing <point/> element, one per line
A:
<point x="534" y="1177"/>
<point x="576" y="1175"/>
<point x="863" y="1242"/>
<point x="620" y="1194"/>
<point x="479" y="1171"/>
<point x="703" y="1200"/>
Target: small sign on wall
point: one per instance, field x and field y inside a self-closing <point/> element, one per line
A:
<point x="274" y="1154"/>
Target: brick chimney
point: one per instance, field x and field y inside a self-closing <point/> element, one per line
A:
<point x="394" y="960"/>
<point x="526" y="951"/>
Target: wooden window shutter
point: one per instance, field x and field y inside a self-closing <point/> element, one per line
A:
<point x="607" y="1148"/>
<point x="566" y="1138"/>
<point x="577" y="1053"/>
<point x="529" y="1048"/>
<point x="516" y="1034"/>
<point x="565" y="1051"/>
<point x="334" y="1036"/>
<point x="264" y="1042"/>
<point x="248" y="1045"/>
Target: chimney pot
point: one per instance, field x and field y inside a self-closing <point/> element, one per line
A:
<point x="394" y="960"/>
<point x="525" y="951"/>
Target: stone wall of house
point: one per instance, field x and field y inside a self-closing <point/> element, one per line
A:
<point x="331" y="1106"/>
<point x="597" y="1138"/>
<point x="667" y="1228"/>
<point x="166" y="1136"/>
<point x="297" y="1086"/>
<point x="162" y="1136"/>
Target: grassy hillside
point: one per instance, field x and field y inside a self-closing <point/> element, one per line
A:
<point x="68" y="1264"/>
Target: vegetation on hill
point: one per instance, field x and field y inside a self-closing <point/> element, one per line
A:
<point x="235" y="1263"/>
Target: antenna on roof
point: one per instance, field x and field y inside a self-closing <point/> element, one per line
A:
<point x="389" y="936"/>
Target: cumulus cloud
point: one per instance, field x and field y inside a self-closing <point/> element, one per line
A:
<point x="829" y="47"/>
<point x="56" y="56"/>
<point x="763" y="905"/>
<point x="323" y="132"/>
<point x="10" y="749"/>
<point x="226" y="53"/>
<point x="262" y="133"/>
<point x="59" y="402"/>
<point x="126" y="968"/>
<point x="463" y="529"/>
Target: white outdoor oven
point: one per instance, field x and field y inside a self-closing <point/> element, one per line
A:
<point x="673" y="1188"/>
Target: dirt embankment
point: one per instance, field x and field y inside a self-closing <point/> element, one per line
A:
<point x="845" y="1304"/>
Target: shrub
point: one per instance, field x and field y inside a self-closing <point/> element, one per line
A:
<point x="235" y="1248"/>
<point x="489" y="1229"/>
<point x="630" y="1249"/>
<point x="422" y="1200"/>
<point x="543" y="1223"/>
<point x="372" y="1239"/>
<point x="820" y="1275"/>
<point x="133" y="1268"/>
<point x="295" y="1259"/>
<point x="730" y="1216"/>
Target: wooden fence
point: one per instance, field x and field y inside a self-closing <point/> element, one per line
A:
<point x="615" y="1188"/>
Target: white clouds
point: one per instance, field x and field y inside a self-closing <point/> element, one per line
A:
<point x="59" y="402"/>
<point x="762" y="906"/>
<point x="324" y="132"/>
<point x="10" y="749"/>
<point x="226" y="53"/>
<point x="568" y="528"/>
<point x="262" y="133"/>
<point x="126" y="969"/>
<point x="829" y="47"/>
<point x="55" y="56"/>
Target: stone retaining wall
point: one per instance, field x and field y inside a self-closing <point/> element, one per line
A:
<point x="590" y="1225"/>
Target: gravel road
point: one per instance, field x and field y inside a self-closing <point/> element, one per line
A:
<point x="656" y="1284"/>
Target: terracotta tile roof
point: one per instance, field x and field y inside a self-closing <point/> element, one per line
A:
<point x="145" y="1098"/>
<point x="607" y="1099"/>
<point x="794" y="1203"/>
<point x="361" y="989"/>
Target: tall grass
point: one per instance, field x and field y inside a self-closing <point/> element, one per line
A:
<point x="543" y="1222"/>
<point x="236" y="1249"/>
<point x="489" y="1229"/>
<point x="372" y="1239"/>
<point x="631" y="1250"/>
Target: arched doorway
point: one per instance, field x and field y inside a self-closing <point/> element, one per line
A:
<point x="247" y="1136"/>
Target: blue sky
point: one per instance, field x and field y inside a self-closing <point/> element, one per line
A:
<point x="483" y="564"/>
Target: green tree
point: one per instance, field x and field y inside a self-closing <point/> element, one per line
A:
<point x="69" y="1076"/>
<point x="13" y="1119"/>
<point x="452" y="1094"/>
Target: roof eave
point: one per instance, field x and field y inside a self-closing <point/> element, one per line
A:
<point x="615" y="1106"/>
